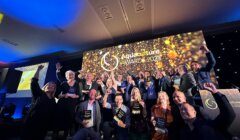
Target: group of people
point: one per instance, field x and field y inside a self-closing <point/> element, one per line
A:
<point x="157" y="106"/>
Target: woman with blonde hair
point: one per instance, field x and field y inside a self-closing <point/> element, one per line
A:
<point x="68" y="100"/>
<point x="135" y="94"/>
<point x="111" y="85"/>
<point x="161" y="117"/>
<point x="138" y="127"/>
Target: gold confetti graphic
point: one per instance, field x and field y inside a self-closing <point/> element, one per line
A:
<point x="162" y="53"/>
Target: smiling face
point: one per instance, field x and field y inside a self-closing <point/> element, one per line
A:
<point x="187" y="112"/>
<point x="89" y="77"/>
<point x="179" y="97"/>
<point x="118" y="100"/>
<point x="129" y="79"/>
<point x="163" y="98"/>
<point x="92" y="94"/>
<point x="70" y="75"/>
<point x="136" y="94"/>
<point x="195" y="66"/>
<point x="50" y="89"/>
<point x="159" y="74"/>
<point x="119" y="77"/>
<point x="146" y="74"/>
<point x="109" y="83"/>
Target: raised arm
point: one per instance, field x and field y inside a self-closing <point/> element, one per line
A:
<point x="114" y="80"/>
<point x="227" y="115"/>
<point x="105" y="97"/>
<point x="58" y="73"/>
<point x="35" y="88"/>
<point x="211" y="60"/>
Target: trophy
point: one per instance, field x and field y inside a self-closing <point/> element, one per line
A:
<point x="136" y="108"/>
<point x="119" y="115"/>
<point x="87" y="115"/>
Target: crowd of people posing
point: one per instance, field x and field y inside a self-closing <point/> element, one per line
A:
<point x="157" y="105"/>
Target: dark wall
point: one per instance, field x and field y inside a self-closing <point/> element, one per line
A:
<point x="226" y="49"/>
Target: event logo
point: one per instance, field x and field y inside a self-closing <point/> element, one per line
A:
<point x="211" y="104"/>
<point x="104" y="62"/>
<point x="140" y="54"/>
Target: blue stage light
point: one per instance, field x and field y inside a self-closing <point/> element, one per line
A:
<point x="43" y="13"/>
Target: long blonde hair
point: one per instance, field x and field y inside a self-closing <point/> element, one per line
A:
<point x="163" y="93"/>
<point x="139" y="98"/>
<point x="108" y="81"/>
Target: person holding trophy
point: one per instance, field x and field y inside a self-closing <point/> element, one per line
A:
<point x="161" y="117"/>
<point x="121" y="116"/>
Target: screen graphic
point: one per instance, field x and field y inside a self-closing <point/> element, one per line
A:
<point x="28" y="72"/>
<point x="161" y="53"/>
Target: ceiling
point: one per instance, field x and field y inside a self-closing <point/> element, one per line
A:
<point x="39" y="27"/>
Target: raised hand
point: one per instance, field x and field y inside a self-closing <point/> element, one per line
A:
<point x="98" y="97"/>
<point x="36" y="75"/>
<point x="58" y="66"/>
<point x="210" y="87"/>
<point x="132" y="82"/>
<point x="164" y="73"/>
<point x="141" y="75"/>
<point x="111" y="68"/>
<point x="40" y="67"/>
<point x="204" y="48"/>
<point x="123" y="89"/>
<point x="106" y="75"/>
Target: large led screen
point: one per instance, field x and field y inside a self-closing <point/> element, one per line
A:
<point x="162" y="53"/>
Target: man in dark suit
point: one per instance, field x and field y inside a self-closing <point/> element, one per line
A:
<point x="187" y="83"/>
<point x="201" y="129"/>
<point x="89" y="118"/>
<point x="163" y="83"/>
<point x="202" y="74"/>
<point x="121" y="113"/>
<point x="126" y="90"/>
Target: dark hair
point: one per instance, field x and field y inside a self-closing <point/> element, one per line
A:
<point x="194" y="62"/>
<point x="183" y="67"/>
<point x="98" y="78"/>
<point x="118" y="94"/>
<point x="148" y="71"/>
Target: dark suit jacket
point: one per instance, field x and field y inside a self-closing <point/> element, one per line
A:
<point x="212" y="129"/>
<point x="203" y="75"/>
<point x="187" y="83"/>
<point x="96" y="114"/>
<point x="163" y="84"/>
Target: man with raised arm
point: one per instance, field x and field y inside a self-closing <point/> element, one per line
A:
<point x="121" y="113"/>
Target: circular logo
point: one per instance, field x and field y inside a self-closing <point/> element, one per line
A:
<point x="104" y="62"/>
<point x="211" y="104"/>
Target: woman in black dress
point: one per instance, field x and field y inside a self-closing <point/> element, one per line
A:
<point x="68" y="99"/>
<point x="41" y="115"/>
